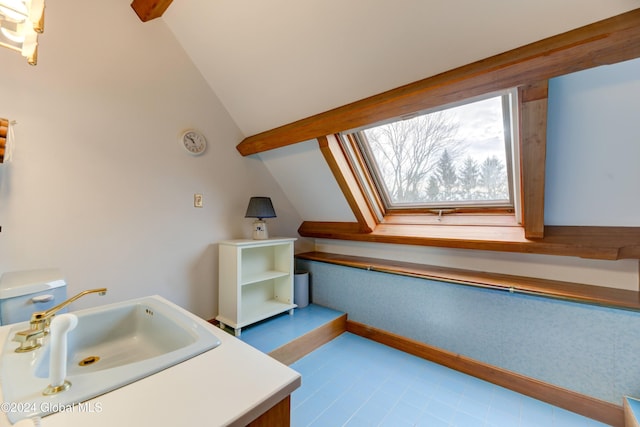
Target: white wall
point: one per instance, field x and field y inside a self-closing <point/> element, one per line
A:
<point x="305" y="177"/>
<point x="591" y="179"/>
<point x="621" y="274"/>
<point x="98" y="185"/>
<point x="593" y="147"/>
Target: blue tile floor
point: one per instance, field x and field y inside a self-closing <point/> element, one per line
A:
<point x="353" y="381"/>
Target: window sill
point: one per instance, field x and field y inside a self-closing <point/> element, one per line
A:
<point x="588" y="294"/>
<point x="457" y="219"/>
<point x="608" y="243"/>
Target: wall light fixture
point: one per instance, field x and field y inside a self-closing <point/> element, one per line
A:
<point x="20" y="23"/>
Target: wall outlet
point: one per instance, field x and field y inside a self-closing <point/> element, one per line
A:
<point x="197" y="200"/>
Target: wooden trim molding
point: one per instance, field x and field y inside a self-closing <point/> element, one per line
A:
<point x="589" y="294"/>
<point x="150" y="9"/>
<point x="600" y="410"/>
<point x="609" y="41"/>
<point x="300" y="347"/>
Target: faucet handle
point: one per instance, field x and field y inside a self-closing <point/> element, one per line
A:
<point x="28" y="340"/>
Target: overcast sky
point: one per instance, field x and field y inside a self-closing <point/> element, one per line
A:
<point x="481" y="126"/>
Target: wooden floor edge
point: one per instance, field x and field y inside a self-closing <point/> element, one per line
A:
<point x="587" y="406"/>
<point x="296" y="349"/>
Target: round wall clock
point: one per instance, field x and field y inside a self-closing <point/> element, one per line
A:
<point x="193" y="141"/>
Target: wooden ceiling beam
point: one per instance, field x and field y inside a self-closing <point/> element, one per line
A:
<point x="609" y="41"/>
<point x="150" y="9"/>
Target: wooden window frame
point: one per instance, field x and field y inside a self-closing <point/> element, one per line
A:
<point x="527" y="68"/>
<point x="368" y="168"/>
<point x="466" y="229"/>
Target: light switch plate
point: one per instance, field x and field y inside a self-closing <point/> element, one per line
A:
<point x="197" y="200"/>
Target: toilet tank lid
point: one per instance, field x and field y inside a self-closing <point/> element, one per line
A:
<point x="18" y="283"/>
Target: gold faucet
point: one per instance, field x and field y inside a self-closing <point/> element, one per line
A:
<point x="40" y="321"/>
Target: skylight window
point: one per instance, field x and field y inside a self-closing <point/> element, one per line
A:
<point x="457" y="157"/>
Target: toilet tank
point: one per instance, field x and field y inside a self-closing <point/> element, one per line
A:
<point x="24" y="292"/>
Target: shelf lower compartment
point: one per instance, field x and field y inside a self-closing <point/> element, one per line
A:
<point x="256" y="313"/>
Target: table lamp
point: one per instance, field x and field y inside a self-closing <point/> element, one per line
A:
<point x="260" y="207"/>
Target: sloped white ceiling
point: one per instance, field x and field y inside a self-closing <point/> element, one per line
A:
<point x="272" y="62"/>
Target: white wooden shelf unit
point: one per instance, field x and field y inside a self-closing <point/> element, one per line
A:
<point x="255" y="281"/>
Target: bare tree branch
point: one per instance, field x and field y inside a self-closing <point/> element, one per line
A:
<point x="407" y="152"/>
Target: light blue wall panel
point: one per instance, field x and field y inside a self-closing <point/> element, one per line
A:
<point x="593" y="147"/>
<point x="589" y="349"/>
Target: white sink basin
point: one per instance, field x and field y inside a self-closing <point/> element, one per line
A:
<point x="113" y="345"/>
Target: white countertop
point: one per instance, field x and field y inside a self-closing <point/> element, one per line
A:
<point x="229" y="385"/>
